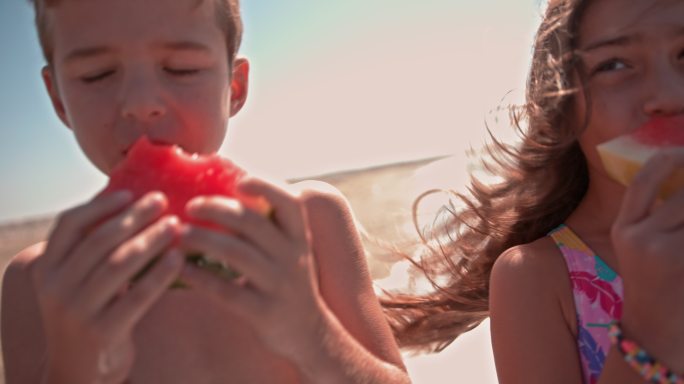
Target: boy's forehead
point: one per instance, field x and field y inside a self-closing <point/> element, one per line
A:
<point x="97" y="19"/>
<point x="96" y="22"/>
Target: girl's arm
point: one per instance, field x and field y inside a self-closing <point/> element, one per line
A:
<point x="533" y="335"/>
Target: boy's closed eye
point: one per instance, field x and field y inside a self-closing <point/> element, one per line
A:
<point x="180" y="72"/>
<point x="97" y="77"/>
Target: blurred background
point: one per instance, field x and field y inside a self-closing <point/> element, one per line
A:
<point x="381" y="98"/>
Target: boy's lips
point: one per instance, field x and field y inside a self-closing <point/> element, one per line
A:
<point x="130" y="146"/>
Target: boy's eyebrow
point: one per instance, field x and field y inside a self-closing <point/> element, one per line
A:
<point x="184" y="46"/>
<point x="88" y="52"/>
<point x="84" y="53"/>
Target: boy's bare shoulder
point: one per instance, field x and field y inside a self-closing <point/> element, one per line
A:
<point x="321" y="195"/>
<point x="17" y="287"/>
<point x="22" y="341"/>
<point x="18" y="297"/>
<point x="328" y="209"/>
<point x="22" y="262"/>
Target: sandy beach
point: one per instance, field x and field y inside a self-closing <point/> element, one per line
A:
<point x="381" y="198"/>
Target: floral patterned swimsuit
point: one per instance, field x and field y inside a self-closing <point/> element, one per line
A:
<point x="598" y="295"/>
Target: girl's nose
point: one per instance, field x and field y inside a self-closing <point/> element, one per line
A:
<point x="665" y="94"/>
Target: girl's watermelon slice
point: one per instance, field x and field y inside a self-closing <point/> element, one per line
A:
<point x="181" y="177"/>
<point x="624" y="156"/>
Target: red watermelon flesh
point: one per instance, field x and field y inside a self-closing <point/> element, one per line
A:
<point x="662" y="132"/>
<point x="181" y="176"/>
<point x="624" y="156"/>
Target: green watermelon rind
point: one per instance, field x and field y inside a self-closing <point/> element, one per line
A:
<point x="219" y="269"/>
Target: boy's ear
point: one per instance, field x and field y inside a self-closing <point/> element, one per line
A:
<point x="51" y="86"/>
<point x="239" y="85"/>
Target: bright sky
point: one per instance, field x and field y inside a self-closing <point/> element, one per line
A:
<point x="336" y="85"/>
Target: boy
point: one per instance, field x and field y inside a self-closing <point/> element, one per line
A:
<point x="305" y="312"/>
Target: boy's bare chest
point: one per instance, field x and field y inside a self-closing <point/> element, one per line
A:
<point x="187" y="339"/>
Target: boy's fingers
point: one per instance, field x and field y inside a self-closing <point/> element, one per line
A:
<point x="235" y="217"/>
<point x="287" y="210"/>
<point x="110" y="235"/>
<point x="642" y="193"/>
<point x="124" y="263"/>
<point x="72" y="225"/>
<point x="231" y="251"/>
<point x="127" y="311"/>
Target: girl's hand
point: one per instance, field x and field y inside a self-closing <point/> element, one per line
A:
<point x="277" y="292"/>
<point x="91" y="256"/>
<point x="648" y="237"/>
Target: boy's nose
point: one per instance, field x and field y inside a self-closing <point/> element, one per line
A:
<point x="143" y="103"/>
<point x="665" y="94"/>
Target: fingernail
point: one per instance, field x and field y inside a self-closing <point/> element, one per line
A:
<point x="156" y="199"/>
<point x="156" y="196"/>
<point x="232" y="204"/>
<point x="195" y="203"/>
<point x="171" y="222"/>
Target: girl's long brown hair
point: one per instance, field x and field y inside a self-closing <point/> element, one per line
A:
<point x="544" y="177"/>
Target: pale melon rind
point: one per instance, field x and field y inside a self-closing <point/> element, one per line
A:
<point x="623" y="158"/>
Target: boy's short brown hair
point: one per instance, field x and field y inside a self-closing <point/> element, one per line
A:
<point x="227" y="15"/>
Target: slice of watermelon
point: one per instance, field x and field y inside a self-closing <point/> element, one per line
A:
<point x="624" y="156"/>
<point x="181" y="176"/>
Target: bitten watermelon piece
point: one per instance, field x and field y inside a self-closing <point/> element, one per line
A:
<point x="624" y="156"/>
<point x="181" y="176"/>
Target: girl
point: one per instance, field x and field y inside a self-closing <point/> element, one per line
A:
<point x="558" y="253"/>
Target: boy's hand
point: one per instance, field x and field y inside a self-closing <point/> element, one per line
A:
<point x="91" y="256"/>
<point x="648" y="237"/>
<point x="277" y="292"/>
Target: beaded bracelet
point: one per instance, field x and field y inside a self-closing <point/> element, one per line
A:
<point x="640" y="360"/>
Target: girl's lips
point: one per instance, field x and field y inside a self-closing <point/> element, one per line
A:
<point x="666" y="122"/>
<point x="663" y="131"/>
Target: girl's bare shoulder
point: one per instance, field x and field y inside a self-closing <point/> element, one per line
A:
<point x="533" y="321"/>
<point x="533" y="275"/>
<point x="540" y="259"/>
